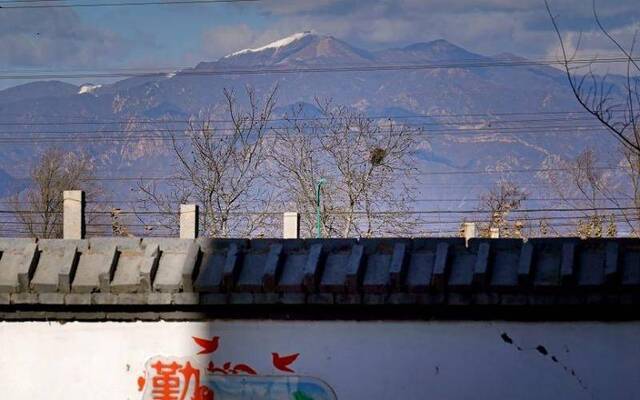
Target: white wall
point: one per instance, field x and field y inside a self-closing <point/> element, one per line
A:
<point x="358" y="360"/>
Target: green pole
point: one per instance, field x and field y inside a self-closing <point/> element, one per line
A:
<point x="318" y="209"/>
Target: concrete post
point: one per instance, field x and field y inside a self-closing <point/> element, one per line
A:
<point x="470" y="231"/>
<point x="291" y="225"/>
<point x="73" y="214"/>
<point x="189" y="217"/>
<point x="494" y="233"/>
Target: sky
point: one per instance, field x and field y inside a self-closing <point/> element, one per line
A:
<point x="153" y="36"/>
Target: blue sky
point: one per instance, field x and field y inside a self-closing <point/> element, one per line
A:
<point x="158" y="36"/>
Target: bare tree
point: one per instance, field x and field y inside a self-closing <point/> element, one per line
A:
<point x="39" y="207"/>
<point x="617" y="108"/>
<point x="619" y="114"/>
<point x="631" y="166"/>
<point x="587" y="188"/>
<point x="118" y="226"/>
<point x="367" y="167"/>
<point x="221" y="167"/>
<point x="499" y="202"/>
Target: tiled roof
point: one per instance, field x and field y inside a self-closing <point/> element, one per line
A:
<point x="151" y="272"/>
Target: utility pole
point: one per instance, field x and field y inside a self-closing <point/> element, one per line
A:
<point x="189" y="218"/>
<point x="318" y="209"/>
<point x="73" y="225"/>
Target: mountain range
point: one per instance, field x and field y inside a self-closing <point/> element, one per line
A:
<point x="512" y="107"/>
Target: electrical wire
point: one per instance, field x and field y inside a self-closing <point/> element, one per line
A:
<point x="232" y="131"/>
<point x="380" y="213"/>
<point x="89" y="139"/>
<point x="314" y="119"/>
<point x="114" y="203"/>
<point x="107" y="4"/>
<point x="417" y="173"/>
<point x="428" y="115"/>
<point x="319" y="69"/>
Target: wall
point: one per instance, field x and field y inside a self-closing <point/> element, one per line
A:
<point x="356" y="360"/>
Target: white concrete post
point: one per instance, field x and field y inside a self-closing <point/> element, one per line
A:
<point x="470" y="231"/>
<point x="73" y="214"/>
<point x="291" y="225"/>
<point x="494" y="233"/>
<point x="189" y="217"/>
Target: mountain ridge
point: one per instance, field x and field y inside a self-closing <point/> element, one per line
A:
<point x="452" y="94"/>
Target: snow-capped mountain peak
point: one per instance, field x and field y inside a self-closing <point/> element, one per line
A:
<point x="273" y="45"/>
<point x="299" y="49"/>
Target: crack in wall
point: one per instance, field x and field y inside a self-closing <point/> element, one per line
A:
<point x="542" y="350"/>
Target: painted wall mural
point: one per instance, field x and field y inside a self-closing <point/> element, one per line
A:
<point x="319" y="360"/>
<point x="202" y="377"/>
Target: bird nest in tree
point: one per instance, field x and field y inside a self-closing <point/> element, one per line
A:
<point x="377" y="155"/>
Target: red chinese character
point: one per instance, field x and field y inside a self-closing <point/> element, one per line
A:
<point x="170" y="378"/>
<point x="200" y="392"/>
<point x="189" y="372"/>
<point x="166" y="383"/>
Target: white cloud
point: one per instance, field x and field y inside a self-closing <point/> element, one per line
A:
<point x="594" y="44"/>
<point x="54" y="37"/>
<point x="223" y="40"/>
<point x="486" y="26"/>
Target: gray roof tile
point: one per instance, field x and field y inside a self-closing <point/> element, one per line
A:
<point x="631" y="269"/>
<point x="211" y="272"/>
<point x="376" y="277"/>
<point x="17" y="264"/>
<point x="335" y="272"/>
<point x="420" y="271"/>
<point x="57" y="260"/>
<point x="506" y="261"/>
<point x="111" y="272"/>
<point x="546" y="266"/>
<point x="293" y="272"/>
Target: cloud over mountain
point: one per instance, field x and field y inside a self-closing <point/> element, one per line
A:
<point x="487" y="26"/>
<point x="54" y="38"/>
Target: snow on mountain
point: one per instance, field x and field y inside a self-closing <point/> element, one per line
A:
<point x="88" y="88"/>
<point x="300" y="49"/>
<point x="273" y="45"/>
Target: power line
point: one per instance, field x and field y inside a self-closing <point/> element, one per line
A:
<point x="419" y="200"/>
<point x="173" y="69"/>
<point x="439" y="185"/>
<point x="280" y="129"/>
<point x="428" y="115"/>
<point x="159" y="226"/>
<point x="416" y="126"/>
<point x="115" y="138"/>
<point x="418" y="173"/>
<point x="317" y="118"/>
<point x="321" y="69"/>
<point x="181" y="135"/>
<point x="107" y="4"/>
<point x="516" y="171"/>
<point x="551" y="222"/>
<point x="380" y="213"/>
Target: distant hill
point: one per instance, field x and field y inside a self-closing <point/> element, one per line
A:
<point x="482" y="97"/>
<point x="457" y="90"/>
